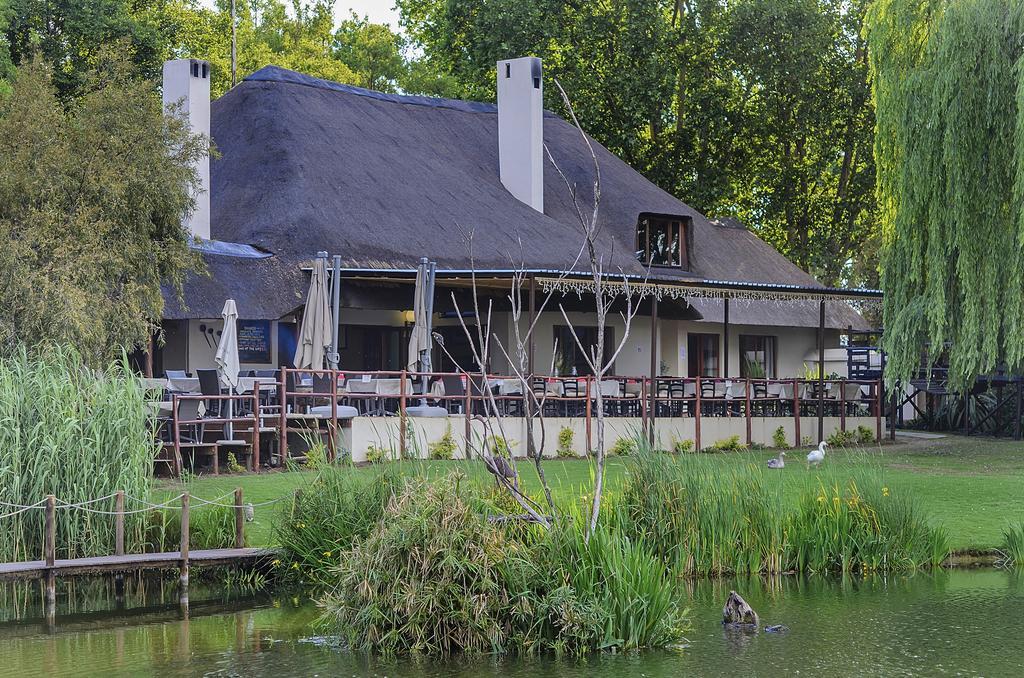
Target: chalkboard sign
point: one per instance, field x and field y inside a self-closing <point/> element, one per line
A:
<point x="254" y="341"/>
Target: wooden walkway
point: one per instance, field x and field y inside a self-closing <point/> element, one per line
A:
<point x="132" y="562"/>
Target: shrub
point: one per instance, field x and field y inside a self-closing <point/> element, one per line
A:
<point x="76" y="433"/>
<point x="623" y="447"/>
<point x="434" y="577"/>
<point x="500" y="447"/>
<point x="730" y="444"/>
<point x="865" y="436"/>
<point x="444" y="447"/>
<point x="779" y="439"/>
<point x="375" y="454"/>
<point x="682" y="446"/>
<point x="336" y="507"/>
<point x="565" y="437"/>
<point x="233" y="465"/>
<point x="841" y="438"/>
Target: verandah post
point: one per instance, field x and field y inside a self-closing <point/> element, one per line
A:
<point x="256" y="422"/>
<point x="750" y="433"/>
<point x="401" y="414"/>
<point x="282" y="437"/>
<point x="696" y="416"/>
<point x="878" y="410"/>
<point x="796" y="413"/>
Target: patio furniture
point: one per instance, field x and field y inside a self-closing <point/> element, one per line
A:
<point x="322" y="387"/>
<point x="209" y="385"/>
<point x="454" y="390"/>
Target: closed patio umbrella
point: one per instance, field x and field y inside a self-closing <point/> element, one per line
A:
<point x="226" y="357"/>
<point x="317" y="322"/>
<point x="420" y="341"/>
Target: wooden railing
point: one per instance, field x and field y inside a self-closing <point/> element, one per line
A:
<point x="645" y="398"/>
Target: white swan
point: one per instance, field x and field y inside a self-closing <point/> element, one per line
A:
<point x="817" y="456"/>
<point x="778" y="462"/>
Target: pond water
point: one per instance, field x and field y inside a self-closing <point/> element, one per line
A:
<point x="965" y="622"/>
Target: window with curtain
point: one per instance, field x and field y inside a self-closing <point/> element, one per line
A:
<point x="757" y="356"/>
<point x="569" y="359"/>
<point x="703" y="359"/>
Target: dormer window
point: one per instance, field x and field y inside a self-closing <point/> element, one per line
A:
<point x="661" y="241"/>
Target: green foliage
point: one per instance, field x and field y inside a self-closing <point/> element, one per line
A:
<point x="682" y="446"/>
<point x="702" y="521"/>
<point x="779" y="439"/>
<point x="949" y="97"/>
<point x="865" y="436"/>
<point x="233" y="465"/>
<point x="500" y="447"/>
<point x="337" y="507"/>
<point x="209" y="527"/>
<point x="730" y="444"/>
<point x="565" y="438"/>
<point x="91" y="199"/>
<point x="71" y="35"/>
<point x="699" y="97"/>
<point x="434" y="577"/>
<point x="623" y="447"/>
<point x="78" y="434"/>
<point x="444" y="447"/>
<point x="841" y="438"/>
<point x="1013" y="544"/>
<point x="376" y="454"/>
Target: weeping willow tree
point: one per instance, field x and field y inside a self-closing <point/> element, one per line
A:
<point x="948" y="84"/>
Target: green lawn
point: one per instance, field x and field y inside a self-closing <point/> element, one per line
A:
<point x="972" y="486"/>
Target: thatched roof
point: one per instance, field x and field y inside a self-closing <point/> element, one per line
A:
<point x="308" y="165"/>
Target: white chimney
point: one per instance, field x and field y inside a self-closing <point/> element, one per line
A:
<point x="188" y="81"/>
<point x="521" y="129"/>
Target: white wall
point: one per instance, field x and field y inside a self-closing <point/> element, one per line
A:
<point x="383" y="432"/>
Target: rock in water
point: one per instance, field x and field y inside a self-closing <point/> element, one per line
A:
<point x="736" y="611"/>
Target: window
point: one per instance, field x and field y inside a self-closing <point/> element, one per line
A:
<point x="703" y="355"/>
<point x="661" y="241"/>
<point x="757" y="357"/>
<point x="569" y="360"/>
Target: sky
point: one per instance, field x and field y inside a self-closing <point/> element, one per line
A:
<point x="379" y="11"/>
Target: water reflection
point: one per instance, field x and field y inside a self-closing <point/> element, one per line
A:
<point x="961" y="622"/>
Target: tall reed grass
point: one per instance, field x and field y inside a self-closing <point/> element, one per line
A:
<point x="78" y="434"/>
<point x="703" y="520"/>
<point x="338" y="506"/>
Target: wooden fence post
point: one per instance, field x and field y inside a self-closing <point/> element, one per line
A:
<point x="239" y="520"/>
<point x="50" y="548"/>
<point x="119" y="523"/>
<point x="183" y="548"/>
